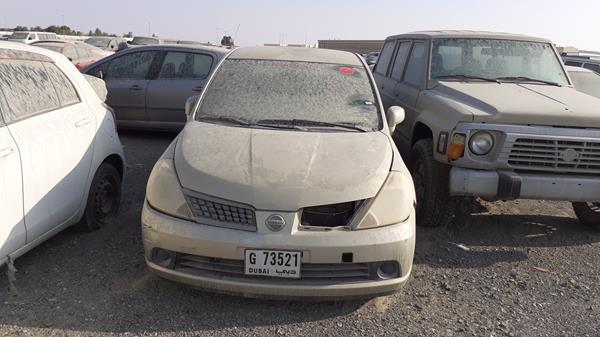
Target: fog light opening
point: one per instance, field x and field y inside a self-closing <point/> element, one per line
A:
<point x="387" y="270"/>
<point x="163" y="257"/>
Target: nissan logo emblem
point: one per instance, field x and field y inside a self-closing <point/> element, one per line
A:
<point x="275" y="222"/>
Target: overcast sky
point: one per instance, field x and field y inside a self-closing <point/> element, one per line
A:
<point x="573" y="23"/>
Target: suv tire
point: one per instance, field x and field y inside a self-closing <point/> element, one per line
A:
<point x="435" y="207"/>
<point x="103" y="199"/>
<point x="588" y="213"/>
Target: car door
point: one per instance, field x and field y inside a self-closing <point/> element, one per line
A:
<point x="408" y="89"/>
<point x="12" y="224"/>
<point x="126" y="77"/>
<point x="54" y="130"/>
<point x="182" y="74"/>
<point x="384" y="83"/>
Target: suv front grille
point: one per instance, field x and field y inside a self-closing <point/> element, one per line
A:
<point x="310" y="272"/>
<point x="561" y="156"/>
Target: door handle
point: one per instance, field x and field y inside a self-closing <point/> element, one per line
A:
<point x="198" y="88"/>
<point x="6" y="152"/>
<point x="82" y="122"/>
<point x="135" y="87"/>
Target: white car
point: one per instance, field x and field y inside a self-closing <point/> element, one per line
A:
<point x="61" y="161"/>
<point x="285" y="182"/>
<point x="30" y="37"/>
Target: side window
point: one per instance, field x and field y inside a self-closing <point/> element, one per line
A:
<point x="415" y="69"/>
<point x="82" y="52"/>
<point x="27" y="88"/>
<point x="185" y="65"/>
<point x="593" y="67"/>
<point x="573" y="63"/>
<point x="64" y="88"/>
<point x="385" y="57"/>
<point x="130" y="66"/>
<point x="69" y="52"/>
<point x="400" y="60"/>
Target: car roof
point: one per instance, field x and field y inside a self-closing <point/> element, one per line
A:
<point x="215" y="50"/>
<point x="582" y="59"/>
<point x="573" y="69"/>
<point x="315" y="55"/>
<point x="435" y="34"/>
<point x="21" y="51"/>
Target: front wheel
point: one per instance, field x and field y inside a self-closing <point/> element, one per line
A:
<point x="103" y="199"/>
<point x="435" y="207"/>
<point x="588" y="213"/>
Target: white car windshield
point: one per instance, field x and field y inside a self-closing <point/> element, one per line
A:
<point x="293" y="94"/>
<point x="18" y="36"/>
<point x="496" y="60"/>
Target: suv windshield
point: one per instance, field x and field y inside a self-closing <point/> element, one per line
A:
<point x="18" y="36"/>
<point x="508" y="60"/>
<point x="266" y="92"/>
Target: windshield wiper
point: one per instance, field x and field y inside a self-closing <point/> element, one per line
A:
<point x="526" y="79"/>
<point x="307" y="122"/>
<point x="228" y="120"/>
<point x="467" y="77"/>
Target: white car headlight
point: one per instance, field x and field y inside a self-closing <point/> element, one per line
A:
<point x="481" y="143"/>
<point x="393" y="204"/>
<point x="164" y="193"/>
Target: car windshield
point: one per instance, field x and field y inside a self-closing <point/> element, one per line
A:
<point x="496" y="59"/>
<point x="586" y="82"/>
<point x="49" y="47"/>
<point x="100" y="43"/>
<point x="144" y="40"/>
<point x="18" y="36"/>
<point x="266" y="92"/>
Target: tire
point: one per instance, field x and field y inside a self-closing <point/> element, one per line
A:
<point x="588" y="213"/>
<point x="435" y="207"/>
<point x="103" y="199"/>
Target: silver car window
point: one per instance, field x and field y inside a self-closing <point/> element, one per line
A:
<point x="181" y="65"/>
<point x="256" y="90"/>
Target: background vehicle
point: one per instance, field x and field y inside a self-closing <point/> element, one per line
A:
<point x="256" y="171"/>
<point x="29" y="37"/>
<point x="588" y="62"/>
<point x="61" y="161"/>
<point x="107" y="43"/>
<point x="79" y="53"/>
<point x="371" y="58"/>
<point x="585" y="80"/>
<point x="149" y="85"/>
<point x="491" y="115"/>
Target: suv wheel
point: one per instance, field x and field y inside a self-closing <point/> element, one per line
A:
<point x="103" y="199"/>
<point x="588" y="213"/>
<point x="435" y="207"/>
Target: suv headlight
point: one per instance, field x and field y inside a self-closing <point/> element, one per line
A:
<point x="164" y="193"/>
<point x="393" y="203"/>
<point x="481" y="143"/>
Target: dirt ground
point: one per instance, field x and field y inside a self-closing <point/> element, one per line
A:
<point x="523" y="268"/>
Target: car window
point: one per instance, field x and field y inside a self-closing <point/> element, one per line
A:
<point x="130" y="66"/>
<point x="586" y="82"/>
<point x="27" y="88"/>
<point x="64" y="87"/>
<point x="385" y="58"/>
<point x="69" y="52"/>
<point x="256" y="90"/>
<point x="400" y="60"/>
<point x="573" y="63"/>
<point x="415" y="69"/>
<point x="82" y="52"/>
<point x="592" y="66"/>
<point x="185" y="65"/>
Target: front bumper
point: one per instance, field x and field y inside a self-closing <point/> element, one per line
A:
<point x="319" y="248"/>
<point x="509" y="185"/>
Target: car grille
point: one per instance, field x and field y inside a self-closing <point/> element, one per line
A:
<point x="310" y="272"/>
<point x="334" y="215"/>
<point x="561" y="156"/>
<point x="206" y="209"/>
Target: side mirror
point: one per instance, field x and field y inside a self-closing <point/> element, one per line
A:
<point x="394" y="115"/>
<point x="122" y="46"/>
<point x="190" y="104"/>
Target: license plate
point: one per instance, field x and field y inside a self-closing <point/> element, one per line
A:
<point x="275" y="263"/>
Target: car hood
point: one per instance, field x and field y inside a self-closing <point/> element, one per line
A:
<point x="281" y="169"/>
<point x="513" y="103"/>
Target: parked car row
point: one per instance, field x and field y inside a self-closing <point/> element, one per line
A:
<point x="289" y="176"/>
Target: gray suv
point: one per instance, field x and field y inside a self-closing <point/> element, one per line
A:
<point x="490" y="115"/>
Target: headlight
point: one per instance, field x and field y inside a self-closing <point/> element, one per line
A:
<point x="393" y="204"/>
<point x="481" y="143"/>
<point x="164" y="190"/>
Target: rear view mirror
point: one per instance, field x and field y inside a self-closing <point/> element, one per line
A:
<point x="190" y="104"/>
<point x="394" y="116"/>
